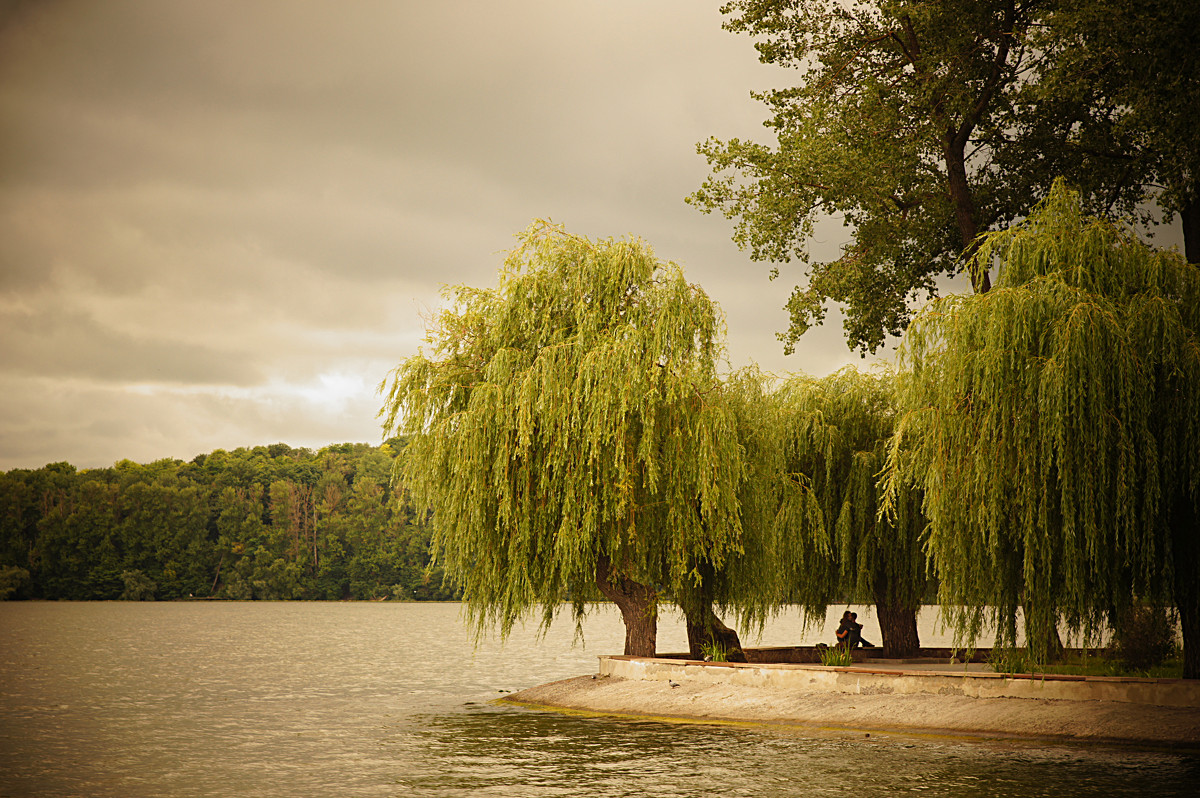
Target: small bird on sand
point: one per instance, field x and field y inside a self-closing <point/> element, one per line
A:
<point x="673" y="684"/>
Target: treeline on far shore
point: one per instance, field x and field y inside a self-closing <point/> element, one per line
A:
<point x="269" y="522"/>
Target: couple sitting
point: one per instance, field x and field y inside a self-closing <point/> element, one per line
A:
<point x="849" y="632"/>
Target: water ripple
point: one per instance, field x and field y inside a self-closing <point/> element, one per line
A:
<point x="297" y="700"/>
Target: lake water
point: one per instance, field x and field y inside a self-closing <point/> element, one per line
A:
<point x="314" y="699"/>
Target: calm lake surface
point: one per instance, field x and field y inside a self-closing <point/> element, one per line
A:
<point x="362" y="699"/>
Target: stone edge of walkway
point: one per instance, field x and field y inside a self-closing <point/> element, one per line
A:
<point x="892" y="700"/>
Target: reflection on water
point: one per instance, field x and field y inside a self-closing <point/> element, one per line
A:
<point x="203" y="699"/>
<point x="492" y="752"/>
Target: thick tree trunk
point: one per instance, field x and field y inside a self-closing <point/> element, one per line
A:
<point x="897" y="614"/>
<point x="639" y="608"/>
<point x="1190" y="217"/>
<point x="704" y="628"/>
<point x="964" y="204"/>
<point x="1186" y="555"/>
<point x="898" y="628"/>
<point x="1189" y="620"/>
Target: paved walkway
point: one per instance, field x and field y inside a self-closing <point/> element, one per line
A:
<point x="925" y="665"/>
<point x="876" y="697"/>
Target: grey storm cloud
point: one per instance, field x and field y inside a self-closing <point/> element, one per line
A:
<point x="73" y="345"/>
<point x="221" y="223"/>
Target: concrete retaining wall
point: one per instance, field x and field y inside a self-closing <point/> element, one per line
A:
<point x="878" y="681"/>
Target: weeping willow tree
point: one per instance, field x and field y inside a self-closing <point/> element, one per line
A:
<point x="1054" y="425"/>
<point x="837" y="431"/>
<point x="569" y="434"/>
<point x="782" y="532"/>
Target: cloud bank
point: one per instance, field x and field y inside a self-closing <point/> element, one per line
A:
<point x="221" y="223"/>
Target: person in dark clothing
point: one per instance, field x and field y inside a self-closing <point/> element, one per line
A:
<point x="845" y="630"/>
<point x="849" y="632"/>
<point x="856" y="638"/>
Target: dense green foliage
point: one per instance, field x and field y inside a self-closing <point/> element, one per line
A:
<point x="890" y="125"/>
<point x="834" y="438"/>
<point x="572" y="417"/>
<point x="1054" y="425"/>
<point x="264" y="523"/>
<point x="1112" y="109"/>
<point x="922" y="125"/>
<point x="1144" y="637"/>
<point x="776" y="546"/>
<point x="570" y="432"/>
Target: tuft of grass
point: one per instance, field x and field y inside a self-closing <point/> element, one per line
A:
<point x="1171" y="668"/>
<point x="714" y="652"/>
<point x="836" y="656"/>
<point x="1016" y="660"/>
<point x="1010" y="660"/>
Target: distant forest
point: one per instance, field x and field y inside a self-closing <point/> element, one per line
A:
<point x="271" y="522"/>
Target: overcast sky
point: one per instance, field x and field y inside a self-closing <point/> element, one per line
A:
<point x="221" y="223"/>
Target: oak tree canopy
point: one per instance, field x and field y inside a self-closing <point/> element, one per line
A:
<point x="922" y="125"/>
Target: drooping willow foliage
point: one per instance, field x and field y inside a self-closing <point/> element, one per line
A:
<point x="1054" y="426"/>
<point x="836" y="432"/>
<point x="570" y="414"/>
<point x="783" y="540"/>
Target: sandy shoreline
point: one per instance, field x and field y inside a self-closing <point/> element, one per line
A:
<point x="705" y="700"/>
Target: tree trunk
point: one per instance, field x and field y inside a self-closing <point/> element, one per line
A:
<point x="1190" y="218"/>
<point x="896" y="605"/>
<point x="704" y="628"/>
<point x="964" y="205"/>
<point x="1186" y="555"/>
<point x="212" y="591"/>
<point x="639" y="608"/>
<point x="1189" y="620"/>
<point x="898" y="628"/>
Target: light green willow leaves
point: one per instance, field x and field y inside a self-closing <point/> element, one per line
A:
<point x="571" y="412"/>
<point x="1054" y="424"/>
<point x="836" y="434"/>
